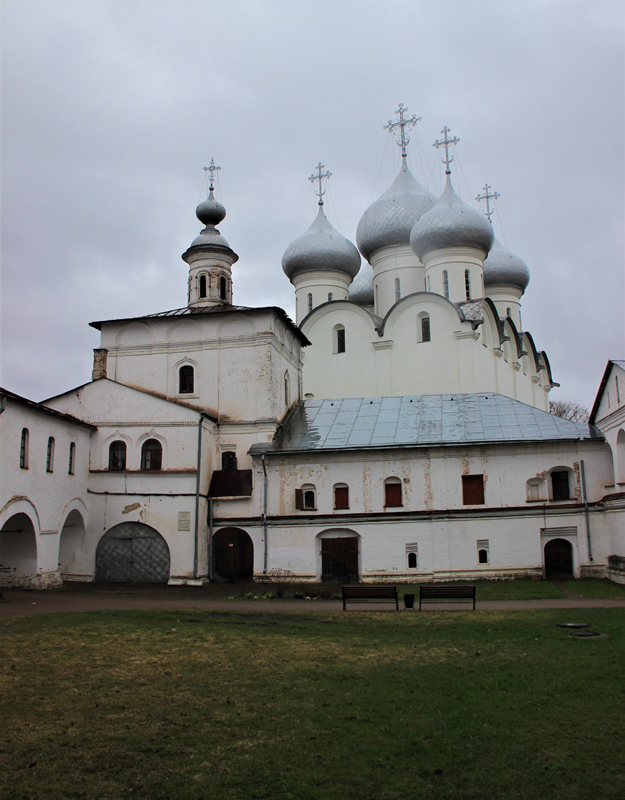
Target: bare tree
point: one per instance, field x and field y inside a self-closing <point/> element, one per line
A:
<point x="566" y="409"/>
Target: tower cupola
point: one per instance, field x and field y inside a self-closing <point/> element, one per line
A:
<point x="506" y="278"/>
<point x="210" y="257"/>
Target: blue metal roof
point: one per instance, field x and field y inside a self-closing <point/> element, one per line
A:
<point x="420" y="420"/>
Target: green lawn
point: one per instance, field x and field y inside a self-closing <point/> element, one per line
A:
<point x="311" y="706"/>
<point x="522" y="589"/>
<point x="597" y="587"/>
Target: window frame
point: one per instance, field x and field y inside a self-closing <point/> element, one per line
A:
<point x="472" y="489"/>
<point x="183" y="380"/>
<point x="340" y="496"/>
<point x="223" y="288"/>
<point x="117" y="459"/>
<point x="24" y="448"/>
<point x="50" y="455"/>
<point x="566" y="474"/>
<point x="229" y="460"/>
<point x="202" y="284"/>
<point x="446" y="284"/>
<point x="148" y="461"/>
<point x="71" y="467"/>
<point x="391" y="486"/>
<point x="467" y="283"/>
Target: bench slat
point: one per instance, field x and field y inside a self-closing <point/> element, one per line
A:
<point x="370" y="593"/>
<point x="446" y="593"/>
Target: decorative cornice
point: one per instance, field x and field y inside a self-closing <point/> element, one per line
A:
<point x="467" y="335"/>
<point x="384" y="345"/>
<point x="497" y="352"/>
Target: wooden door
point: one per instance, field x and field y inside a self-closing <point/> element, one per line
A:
<point x="233" y="554"/>
<point x="339" y="560"/>
<point x="558" y="559"/>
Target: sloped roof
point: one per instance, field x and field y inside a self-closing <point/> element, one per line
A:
<point x="602" y="385"/>
<point x="420" y="420"/>
<point x="45" y="410"/>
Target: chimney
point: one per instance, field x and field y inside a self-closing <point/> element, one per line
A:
<point x="99" y="363"/>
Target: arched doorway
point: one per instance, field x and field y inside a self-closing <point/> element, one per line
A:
<point x="233" y="555"/>
<point x="132" y="552"/>
<point x="71" y="546"/>
<point x="558" y="559"/>
<point x="18" y="550"/>
<point x="339" y="556"/>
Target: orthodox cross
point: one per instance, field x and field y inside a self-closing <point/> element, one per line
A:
<point x="213" y="170"/>
<point x="445" y="143"/>
<point x="488" y="197"/>
<point x="320" y="176"/>
<point x="403" y="124"/>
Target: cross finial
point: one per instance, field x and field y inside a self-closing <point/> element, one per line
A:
<point x="403" y="124"/>
<point x="488" y="197"/>
<point x="320" y="176"/>
<point x="213" y="170"/>
<point x="445" y="143"/>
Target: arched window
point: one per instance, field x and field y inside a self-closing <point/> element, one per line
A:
<point x="309" y="302"/>
<point x="341" y="496"/>
<point x="618" y="391"/>
<point x="482" y="551"/>
<point x="228" y="460"/>
<point x="24" y="448"/>
<point x="151" y="455"/>
<point x="397" y="289"/>
<point x="467" y="283"/>
<point x="534" y="490"/>
<point x="330" y="296"/>
<point x="338" y="344"/>
<point x="446" y="284"/>
<point x="508" y="314"/>
<point x="50" y="455"/>
<point x="412" y="560"/>
<point x="560" y="489"/>
<point x="287" y="389"/>
<point x="202" y="286"/>
<point x="185" y="380"/>
<point x="392" y="493"/>
<point x="423" y="327"/>
<point x="222" y="288"/>
<point x="117" y="456"/>
<point x="72" y="458"/>
<point x="429" y="289"/>
<point x="306" y="498"/>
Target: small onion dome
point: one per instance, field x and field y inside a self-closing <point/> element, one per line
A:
<point x="361" y="290"/>
<point x="503" y="268"/>
<point x="211" y="211"/>
<point x="210" y="237"/>
<point x="390" y="219"/>
<point x="451" y="223"/>
<point x="320" y="249"/>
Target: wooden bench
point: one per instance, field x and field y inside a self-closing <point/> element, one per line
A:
<point x="446" y="593"/>
<point x="370" y="593"/>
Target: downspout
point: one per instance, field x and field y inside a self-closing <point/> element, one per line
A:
<point x="203" y="416"/>
<point x="586" y="509"/>
<point x="264" y="512"/>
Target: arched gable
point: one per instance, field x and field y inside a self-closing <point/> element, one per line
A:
<point x="187" y="330"/>
<point x="423" y="301"/>
<point x="236" y="324"/>
<point x="338" y="308"/>
<point x="133" y="334"/>
<point x="21" y="505"/>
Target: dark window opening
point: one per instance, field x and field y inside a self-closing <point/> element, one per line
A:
<point x="185" y="380"/>
<point x="72" y="458"/>
<point x="482" y="556"/>
<point x="560" y="485"/>
<point x="425" y="329"/>
<point x="222" y="288"/>
<point x="117" y="456"/>
<point x="341" y="497"/>
<point x="151" y="455"/>
<point x="340" y="340"/>
<point x="50" y="455"/>
<point x="202" y="285"/>
<point x="412" y="560"/>
<point x="309" y="499"/>
<point x="473" y="490"/>
<point x="305" y="500"/>
<point x="310" y="301"/>
<point x="24" y="449"/>
<point x="446" y="284"/>
<point x="467" y="283"/>
<point x="228" y="460"/>
<point x="392" y="494"/>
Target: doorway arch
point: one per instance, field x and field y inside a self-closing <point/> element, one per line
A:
<point x="132" y="552"/>
<point x="558" y="559"/>
<point x="18" y="549"/>
<point x="71" y="545"/>
<point x="233" y="555"/>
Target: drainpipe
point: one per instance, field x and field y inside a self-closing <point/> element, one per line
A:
<point x="210" y="539"/>
<point x="264" y="512"/>
<point x="203" y="416"/>
<point x="585" y="498"/>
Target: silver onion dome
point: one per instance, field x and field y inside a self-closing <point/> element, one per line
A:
<point x="451" y="223"/>
<point x="389" y="220"/>
<point x="211" y="211"/>
<point x="320" y="249"/>
<point x="361" y="290"/>
<point x="210" y="237"/>
<point x="503" y="268"/>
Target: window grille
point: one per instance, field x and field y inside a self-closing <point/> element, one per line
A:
<point x="24" y="448"/>
<point x="50" y="455"/>
<point x="72" y="458"/>
<point x="467" y="283"/>
<point x="228" y="460"/>
<point x="446" y="284"/>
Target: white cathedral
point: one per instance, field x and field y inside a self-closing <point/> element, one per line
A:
<point x="397" y="432"/>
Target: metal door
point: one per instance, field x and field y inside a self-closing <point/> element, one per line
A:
<point x="339" y="560"/>
<point x="558" y="559"/>
<point x="132" y="553"/>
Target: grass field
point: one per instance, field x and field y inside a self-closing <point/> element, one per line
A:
<point x="311" y="706"/>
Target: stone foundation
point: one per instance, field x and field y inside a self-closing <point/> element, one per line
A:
<point x="43" y="580"/>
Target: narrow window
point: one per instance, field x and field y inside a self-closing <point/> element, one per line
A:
<point x="412" y="560"/>
<point x="185" y="380"/>
<point x="72" y="458"/>
<point x="202" y="286"/>
<point x="473" y="490"/>
<point x="117" y="456"/>
<point x="341" y="496"/>
<point x="429" y="284"/>
<point x="508" y="314"/>
<point x="397" y="289"/>
<point x="533" y="491"/>
<point x="50" y="455"/>
<point x="425" y="329"/>
<point x="24" y="448"/>
<point x="412" y="555"/>
<point x="309" y="302"/>
<point x="483" y="551"/>
<point x="151" y="455"/>
<point x="309" y="499"/>
<point x="228" y="460"/>
<point x="560" y="485"/>
<point x="467" y="283"/>
<point x="287" y="390"/>
<point x="618" y="391"/>
<point x="305" y="498"/>
<point x="446" y="284"/>
<point x="222" y="288"/>
<point x="340" y="340"/>
<point x="330" y="296"/>
<point x="392" y="493"/>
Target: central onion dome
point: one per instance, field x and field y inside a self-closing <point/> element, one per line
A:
<point x="390" y="219"/>
<point x="320" y="249"/>
<point x="451" y="223"/>
<point x="503" y="268"/>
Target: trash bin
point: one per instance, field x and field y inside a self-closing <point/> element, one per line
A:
<point x="408" y="601"/>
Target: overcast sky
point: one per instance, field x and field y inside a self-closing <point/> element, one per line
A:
<point x="112" y="107"/>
